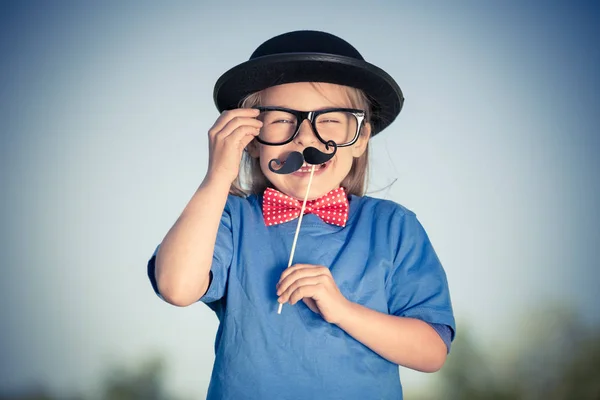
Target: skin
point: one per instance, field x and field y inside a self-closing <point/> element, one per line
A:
<point x="304" y="97"/>
<point x="185" y="255"/>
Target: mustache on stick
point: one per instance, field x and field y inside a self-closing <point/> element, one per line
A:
<point x="295" y="159"/>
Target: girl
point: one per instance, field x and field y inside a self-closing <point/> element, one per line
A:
<point x="366" y="291"/>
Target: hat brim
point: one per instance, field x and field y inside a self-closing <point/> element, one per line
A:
<point x="263" y="72"/>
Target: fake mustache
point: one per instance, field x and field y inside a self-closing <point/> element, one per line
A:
<point x="295" y="159"/>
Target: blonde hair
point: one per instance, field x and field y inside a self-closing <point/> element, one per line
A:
<point x="251" y="179"/>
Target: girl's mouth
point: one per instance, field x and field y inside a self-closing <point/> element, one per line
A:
<point x="305" y="169"/>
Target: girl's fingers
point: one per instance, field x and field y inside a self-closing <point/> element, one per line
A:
<point x="300" y="270"/>
<point x="312" y="304"/>
<point x="245" y="141"/>
<point x="284" y="295"/>
<point x="241" y="136"/>
<point x="227" y="115"/>
<point x="295" y="268"/>
<point x="236" y="122"/>
<point x="306" y="291"/>
<point x="227" y="139"/>
<point x="304" y="276"/>
<point x="246" y="114"/>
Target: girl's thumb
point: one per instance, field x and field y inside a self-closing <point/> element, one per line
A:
<point x="245" y="141"/>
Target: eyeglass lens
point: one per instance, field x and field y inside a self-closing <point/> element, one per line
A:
<point x="280" y="126"/>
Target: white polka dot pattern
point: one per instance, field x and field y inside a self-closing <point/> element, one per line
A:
<point x="331" y="208"/>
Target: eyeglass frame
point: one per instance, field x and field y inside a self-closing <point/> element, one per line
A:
<point x="311" y="116"/>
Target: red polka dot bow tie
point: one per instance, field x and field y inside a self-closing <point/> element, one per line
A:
<point x="331" y="208"/>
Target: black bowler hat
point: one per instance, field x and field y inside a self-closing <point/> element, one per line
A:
<point x="311" y="56"/>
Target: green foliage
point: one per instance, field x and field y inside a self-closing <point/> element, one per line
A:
<point x="557" y="358"/>
<point x="581" y="374"/>
<point x="146" y="382"/>
<point x="468" y="374"/>
<point x="143" y="382"/>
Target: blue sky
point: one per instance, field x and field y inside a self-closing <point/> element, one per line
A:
<point x="104" y="111"/>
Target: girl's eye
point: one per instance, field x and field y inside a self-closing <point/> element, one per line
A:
<point x="277" y="118"/>
<point x="332" y="118"/>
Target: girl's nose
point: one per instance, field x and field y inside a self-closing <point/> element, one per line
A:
<point x="306" y="135"/>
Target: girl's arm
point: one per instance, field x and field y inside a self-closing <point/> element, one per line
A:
<point x="409" y="342"/>
<point x="185" y="255"/>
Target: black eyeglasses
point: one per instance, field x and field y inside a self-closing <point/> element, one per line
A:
<point x="281" y="125"/>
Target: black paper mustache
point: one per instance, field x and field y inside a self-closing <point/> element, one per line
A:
<point x="295" y="159"/>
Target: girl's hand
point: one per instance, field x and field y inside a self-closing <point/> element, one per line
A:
<point x="228" y="138"/>
<point x="314" y="285"/>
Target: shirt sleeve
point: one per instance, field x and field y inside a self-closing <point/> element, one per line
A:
<point x="445" y="333"/>
<point x="221" y="262"/>
<point x="417" y="286"/>
<point x="151" y="269"/>
<point x="222" y="256"/>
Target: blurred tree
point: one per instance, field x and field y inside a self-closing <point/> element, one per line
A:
<point x="33" y="395"/>
<point x="557" y="358"/>
<point x="581" y="374"/>
<point x="38" y="394"/>
<point x="468" y="374"/>
<point x="145" y="381"/>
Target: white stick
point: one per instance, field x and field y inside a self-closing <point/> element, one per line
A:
<point x="312" y="171"/>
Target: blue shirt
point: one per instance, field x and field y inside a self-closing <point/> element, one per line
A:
<point x="381" y="259"/>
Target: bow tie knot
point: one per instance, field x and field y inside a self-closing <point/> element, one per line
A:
<point x="331" y="208"/>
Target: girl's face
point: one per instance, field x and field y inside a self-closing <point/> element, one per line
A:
<point x="305" y="96"/>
